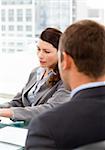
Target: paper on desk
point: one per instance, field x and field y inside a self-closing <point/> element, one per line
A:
<point x="5" y="120"/>
<point x="6" y="146"/>
<point x="13" y="135"/>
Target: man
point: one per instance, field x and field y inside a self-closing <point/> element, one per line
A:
<point x="82" y="67"/>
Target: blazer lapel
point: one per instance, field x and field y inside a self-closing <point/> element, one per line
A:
<point x="35" y="77"/>
<point x="41" y="93"/>
<point x="30" y="84"/>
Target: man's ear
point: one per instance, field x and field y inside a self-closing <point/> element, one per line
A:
<point x="66" y="63"/>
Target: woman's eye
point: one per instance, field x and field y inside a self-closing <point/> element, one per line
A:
<point x="47" y="51"/>
<point x="38" y="49"/>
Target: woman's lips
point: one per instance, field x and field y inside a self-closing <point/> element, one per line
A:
<point x="42" y="62"/>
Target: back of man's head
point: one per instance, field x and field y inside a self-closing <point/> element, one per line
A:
<point x="84" y="41"/>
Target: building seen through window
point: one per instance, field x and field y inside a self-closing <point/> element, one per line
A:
<point x="21" y="22"/>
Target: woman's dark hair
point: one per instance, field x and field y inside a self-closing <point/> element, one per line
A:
<point x="52" y="36"/>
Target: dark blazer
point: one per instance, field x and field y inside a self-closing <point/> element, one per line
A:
<point x="47" y="98"/>
<point x="75" y="123"/>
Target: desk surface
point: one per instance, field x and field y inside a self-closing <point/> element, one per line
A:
<point x="7" y="122"/>
<point x="6" y="146"/>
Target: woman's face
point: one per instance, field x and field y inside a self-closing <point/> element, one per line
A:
<point x="47" y="54"/>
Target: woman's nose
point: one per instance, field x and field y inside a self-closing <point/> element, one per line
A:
<point x="41" y="54"/>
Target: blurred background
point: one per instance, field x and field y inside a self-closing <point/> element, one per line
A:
<point x="21" y="22"/>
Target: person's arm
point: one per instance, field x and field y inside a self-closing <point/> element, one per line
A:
<point x="6" y="112"/>
<point x="27" y="113"/>
<point x="60" y="96"/>
<point x="38" y="137"/>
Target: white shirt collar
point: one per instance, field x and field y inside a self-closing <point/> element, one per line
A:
<point x="40" y="72"/>
<point x="86" y="86"/>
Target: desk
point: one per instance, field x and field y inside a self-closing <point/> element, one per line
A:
<point x="7" y="146"/>
<point x="17" y="124"/>
<point x="7" y="122"/>
<point x="12" y="138"/>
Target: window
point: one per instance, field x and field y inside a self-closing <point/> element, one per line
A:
<point x="11" y="50"/>
<point x="11" y="28"/>
<point x="28" y="35"/>
<point x="19" y="28"/>
<point x="3" y="15"/>
<point x="3" y="27"/>
<point x="19" y="15"/>
<point x="11" y="15"/>
<point x="28" y="28"/>
<point x="11" y="44"/>
<point x="3" y="50"/>
<point x="28" y="15"/>
<point x="19" y="44"/>
<point x="6" y="2"/>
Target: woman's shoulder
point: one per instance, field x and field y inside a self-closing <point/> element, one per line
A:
<point x="38" y="69"/>
<point x="34" y="71"/>
<point x="38" y="72"/>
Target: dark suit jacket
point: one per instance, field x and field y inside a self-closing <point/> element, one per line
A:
<point x="47" y="98"/>
<point x="77" y="122"/>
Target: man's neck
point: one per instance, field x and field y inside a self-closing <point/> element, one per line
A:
<point x="80" y="79"/>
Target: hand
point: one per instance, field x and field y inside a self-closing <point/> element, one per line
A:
<point x="5" y="105"/>
<point x="6" y="112"/>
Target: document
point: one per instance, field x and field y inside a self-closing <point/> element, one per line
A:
<point x="13" y="135"/>
<point x="6" y="146"/>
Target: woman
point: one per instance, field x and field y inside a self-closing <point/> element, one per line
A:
<point x="44" y="89"/>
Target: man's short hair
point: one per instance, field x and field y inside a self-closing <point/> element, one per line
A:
<point x="84" y="41"/>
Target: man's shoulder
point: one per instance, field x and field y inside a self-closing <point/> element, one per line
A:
<point x="91" y="92"/>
